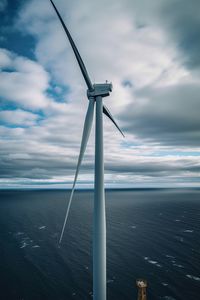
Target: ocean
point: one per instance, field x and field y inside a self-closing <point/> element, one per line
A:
<point x="151" y="233"/>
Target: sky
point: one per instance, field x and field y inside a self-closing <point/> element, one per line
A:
<point x="149" y="50"/>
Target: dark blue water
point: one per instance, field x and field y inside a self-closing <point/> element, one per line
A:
<point x="153" y="234"/>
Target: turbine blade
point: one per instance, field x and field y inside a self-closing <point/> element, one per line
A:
<point x="108" y="114"/>
<point x="85" y="137"/>
<point x="78" y="57"/>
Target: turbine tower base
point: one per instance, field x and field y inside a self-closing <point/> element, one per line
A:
<point x="142" y="285"/>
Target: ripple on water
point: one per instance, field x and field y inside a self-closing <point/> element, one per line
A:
<point x="24" y="244"/>
<point x="41" y="227"/>
<point x="19" y="233"/>
<point x="169" y="256"/>
<point x="164" y="283"/>
<point x="179" y="238"/>
<point x="110" y="280"/>
<point x="133" y="226"/>
<point x="153" y="262"/>
<point x="178" y="265"/>
<point x="193" y="277"/>
<point x="168" y="298"/>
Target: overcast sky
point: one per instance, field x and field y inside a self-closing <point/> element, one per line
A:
<point x="149" y="50"/>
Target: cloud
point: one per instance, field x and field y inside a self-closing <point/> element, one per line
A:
<point x="18" y="117"/>
<point x="182" y="21"/>
<point x="155" y="95"/>
<point x="156" y="166"/>
<point x="178" y="20"/>
<point x="123" y="52"/>
<point x="22" y="81"/>
<point x="3" y="5"/>
<point x="5" y="58"/>
<point x="33" y="154"/>
<point x="169" y="115"/>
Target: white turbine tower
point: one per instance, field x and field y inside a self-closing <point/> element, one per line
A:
<point x="95" y="93"/>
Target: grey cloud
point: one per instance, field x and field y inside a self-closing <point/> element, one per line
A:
<point x="51" y="166"/>
<point x="37" y="166"/>
<point x="26" y="153"/>
<point x="179" y="19"/>
<point x="21" y="157"/>
<point x="169" y="115"/>
<point x="155" y="168"/>
<point x="3" y="5"/>
<point x="40" y="167"/>
<point x="182" y="21"/>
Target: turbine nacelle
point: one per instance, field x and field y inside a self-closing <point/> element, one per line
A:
<point x="100" y="89"/>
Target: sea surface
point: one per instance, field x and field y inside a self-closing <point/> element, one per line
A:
<point x="151" y="233"/>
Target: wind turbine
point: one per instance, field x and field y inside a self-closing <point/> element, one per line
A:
<point x="95" y="93"/>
